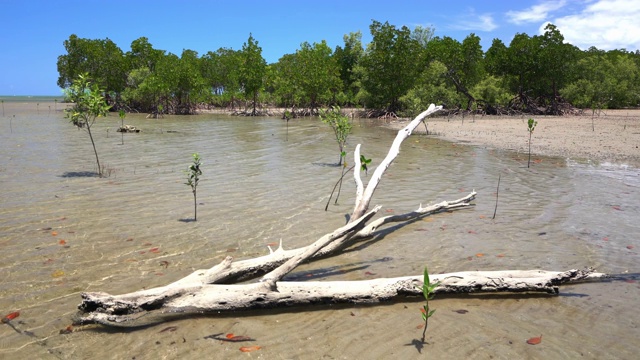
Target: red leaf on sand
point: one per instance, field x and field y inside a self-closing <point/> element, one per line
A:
<point x="369" y="273"/>
<point x="629" y="247"/>
<point x="238" y="338"/>
<point x="67" y="330"/>
<point x="500" y="255"/>
<point x="229" y="336"/>
<point x="10" y="316"/>
<point x="54" y="233"/>
<point x="154" y="250"/>
<point x="250" y="348"/>
<point x="535" y="340"/>
<point x="62" y="242"/>
<point x="479" y="254"/>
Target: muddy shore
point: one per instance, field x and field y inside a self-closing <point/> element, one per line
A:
<point x="613" y="137"/>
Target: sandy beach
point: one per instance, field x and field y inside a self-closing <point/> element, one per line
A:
<point x="613" y="137"/>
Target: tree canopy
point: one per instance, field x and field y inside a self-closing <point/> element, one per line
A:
<point x="396" y="72"/>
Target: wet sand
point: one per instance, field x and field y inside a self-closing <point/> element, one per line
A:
<point x="65" y="232"/>
<point x="614" y="136"/>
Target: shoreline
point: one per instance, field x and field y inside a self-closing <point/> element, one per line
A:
<point x="613" y="137"/>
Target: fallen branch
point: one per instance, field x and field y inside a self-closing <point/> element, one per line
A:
<point x="118" y="311"/>
<point x="364" y="195"/>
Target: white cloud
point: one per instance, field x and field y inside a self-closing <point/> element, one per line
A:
<point x="605" y="24"/>
<point x="535" y="13"/>
<point x="473" y="22"/>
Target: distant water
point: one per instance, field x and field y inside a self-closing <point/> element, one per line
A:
<point x="23" y="98"/>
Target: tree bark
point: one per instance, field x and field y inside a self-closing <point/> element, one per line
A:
<point x="364" y="196"/>
<point x="148" y="307"/>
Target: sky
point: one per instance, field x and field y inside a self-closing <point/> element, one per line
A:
<point x="32" y="32"/>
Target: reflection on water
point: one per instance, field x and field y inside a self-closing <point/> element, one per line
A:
<point x="64" y="231"/>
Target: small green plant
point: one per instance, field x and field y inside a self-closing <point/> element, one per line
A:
<point x="193" y="177"/>
<point x="531" y="126"/>
<point x="363" y="164"/>
<point x="363" y="167"/>
<point x="122" y="115"/>
<point x="428" y="292"/>
<point x="341" y="126"/>
<point x="88" y="104"/>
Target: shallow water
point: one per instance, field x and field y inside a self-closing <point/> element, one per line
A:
<point x="63" y="232"/>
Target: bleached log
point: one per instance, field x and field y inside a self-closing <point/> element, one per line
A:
<point x="363" y="197"/>
<point x="120" y="311"/>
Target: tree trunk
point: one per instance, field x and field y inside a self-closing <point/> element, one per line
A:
<point x="153" y="306"/>
<point x="93" y="143"/>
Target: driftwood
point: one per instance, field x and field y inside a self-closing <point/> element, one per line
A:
<point x="213" y="291"/>
<point x="128" y="129"/>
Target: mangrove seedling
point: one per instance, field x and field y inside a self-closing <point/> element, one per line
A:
<point x="340" y="124"/>
<point x="88" y="104"/>
<point x="122" y="115"/>
<point x="363" y="167"/>
<point x="428" y="293"/>
<point x="363" y="164"/>
<point x="531" y="126"/>
<point x="287" y="116"/>
<point x="193" y="177"/>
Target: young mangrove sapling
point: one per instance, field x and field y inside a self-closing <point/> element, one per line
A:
<point x="428" y="293"/>
<point x="341" y="126"/>
<point x="122" y="115"/>
<point x="363" y="167"/>
<point x="88" y="104"/>
<point x="531" y="126"/>
<point x="193" y="177"/>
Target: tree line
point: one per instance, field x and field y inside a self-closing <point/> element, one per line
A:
<point x="401" y="71"/>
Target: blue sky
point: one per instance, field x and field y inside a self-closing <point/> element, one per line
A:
<point x="32" y="32"/>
